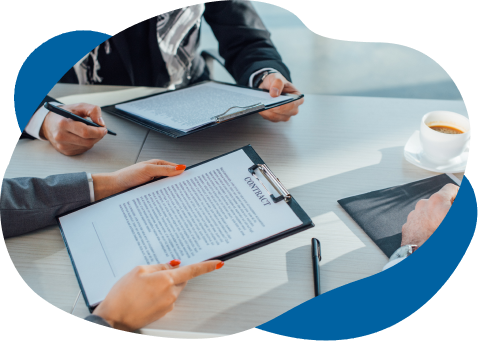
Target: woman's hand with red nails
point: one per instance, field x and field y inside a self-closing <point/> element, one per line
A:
<point x="107" y="184"/>
<point x="148" y="292"/>
<point x="277" y="85"/>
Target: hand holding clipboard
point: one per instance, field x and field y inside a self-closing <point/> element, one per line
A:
<point x="277" y="84"/>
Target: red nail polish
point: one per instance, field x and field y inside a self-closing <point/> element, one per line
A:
<point x="219" y="265"/>
<point x="175" y="262"/>
<point x="180" y="167"/>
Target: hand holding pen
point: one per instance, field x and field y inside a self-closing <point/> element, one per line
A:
<point x="68" y="130"/>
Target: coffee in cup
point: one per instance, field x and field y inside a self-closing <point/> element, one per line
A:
<point x="446" y="129"/>
<point x="444" y="135"/>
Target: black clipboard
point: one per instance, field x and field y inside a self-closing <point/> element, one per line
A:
<point x="111" y="109"/>
<point x="259" y="165"/>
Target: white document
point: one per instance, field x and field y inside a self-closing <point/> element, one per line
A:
<point x="190" y="108"/>
<point x="102" y="99"/>
<point x="207" y="211"/>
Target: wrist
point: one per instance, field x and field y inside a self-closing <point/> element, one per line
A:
<point x="105" y="316"/>
<point x="403" y="252"/>
<point x="42" y="134"/>
<point x="259" y="78"/>
<point x="113" y="318"/>
<point x="412" y="241"/>
<point x="43" y="130"/>
<point x="104" y="185"/>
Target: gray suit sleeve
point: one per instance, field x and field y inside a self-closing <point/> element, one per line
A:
<point x="27" y="204"/>
<point x="98" y="320"/>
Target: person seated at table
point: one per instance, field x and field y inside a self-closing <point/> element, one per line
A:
<point x="148" y="292"/>
<point x="28" y="203"/>
<point x="423" y="221"/>
<point x="143" y="295"/>
<point x="162" y="52"/>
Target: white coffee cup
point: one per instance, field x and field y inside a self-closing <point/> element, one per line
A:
<point x="440" y="147"/>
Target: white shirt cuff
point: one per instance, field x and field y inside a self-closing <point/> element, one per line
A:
<point x="91" y="186"/>
<point x="251" y="78"/>
<point x="392" y="263"/>
<point x="34" y="125"/>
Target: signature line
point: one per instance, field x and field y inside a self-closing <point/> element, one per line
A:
<point x="104" y="250"/>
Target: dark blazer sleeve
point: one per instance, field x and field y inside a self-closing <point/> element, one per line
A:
<point x="244" y="41"/>
<point x="27" y="204"/>
<point x="46" y="99"/>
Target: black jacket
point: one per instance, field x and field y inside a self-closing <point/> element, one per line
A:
<point x="134" y="56"/>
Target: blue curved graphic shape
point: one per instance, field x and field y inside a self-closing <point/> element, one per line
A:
<point x="46" y="65"/>
<point x="380" y="301"/>
<point x="357" y="309"/>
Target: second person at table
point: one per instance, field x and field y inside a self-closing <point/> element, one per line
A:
<point x="162" y="52"/>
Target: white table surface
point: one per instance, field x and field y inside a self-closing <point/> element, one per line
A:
<point x="336" y="147"/>
<point x="40" y="257"/>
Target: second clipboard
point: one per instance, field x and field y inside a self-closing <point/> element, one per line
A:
<point x="220" y="118"/>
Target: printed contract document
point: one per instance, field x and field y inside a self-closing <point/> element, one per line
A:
<point x="190" y="108"/>
<point x="206" y="212"/>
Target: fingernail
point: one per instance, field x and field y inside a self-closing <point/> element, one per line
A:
<point x="275" y="91"/>
<point x="180" y="167"/>
<point x="175" y="262"/>
<point x="102" y="122"/>
<point x="105" y="131"/>
<point x="219" y="265"/>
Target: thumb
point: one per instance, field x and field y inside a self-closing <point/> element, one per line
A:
<point x="276" y="87"/>
<point x="449" y="192"/>
<point x="95" y="114"/>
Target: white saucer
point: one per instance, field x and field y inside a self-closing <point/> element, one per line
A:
<point x="413" y="153"/>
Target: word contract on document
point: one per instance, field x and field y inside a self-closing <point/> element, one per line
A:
<point x="218" y="209"/>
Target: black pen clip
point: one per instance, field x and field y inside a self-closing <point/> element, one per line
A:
<point x="317" y="249"/>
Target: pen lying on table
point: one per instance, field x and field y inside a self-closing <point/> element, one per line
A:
<point x="316" y="257"/>
<point x="67" y="114"/>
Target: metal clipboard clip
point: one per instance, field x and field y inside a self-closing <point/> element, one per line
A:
<point x="274" y="181"/>
<point x="225" y="116"/>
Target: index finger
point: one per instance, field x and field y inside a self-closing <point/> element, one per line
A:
<point x="85" y="131"/>
<point x="282" y="113"/>
<point x="290" y="88"/>
<point x="188" y="272"/>
<point x="449" y="191"/>
<point x="83" y="109"/>
<point x="287" y="109"/>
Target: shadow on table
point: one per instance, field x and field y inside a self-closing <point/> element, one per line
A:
<point x="41" y="259"/>
<point x="391" y="167"/>
<point x="443" y="90"/>
<point x="298" y="262"/>
<point x="36" y="240"/>
<point x="219" y="140"/>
